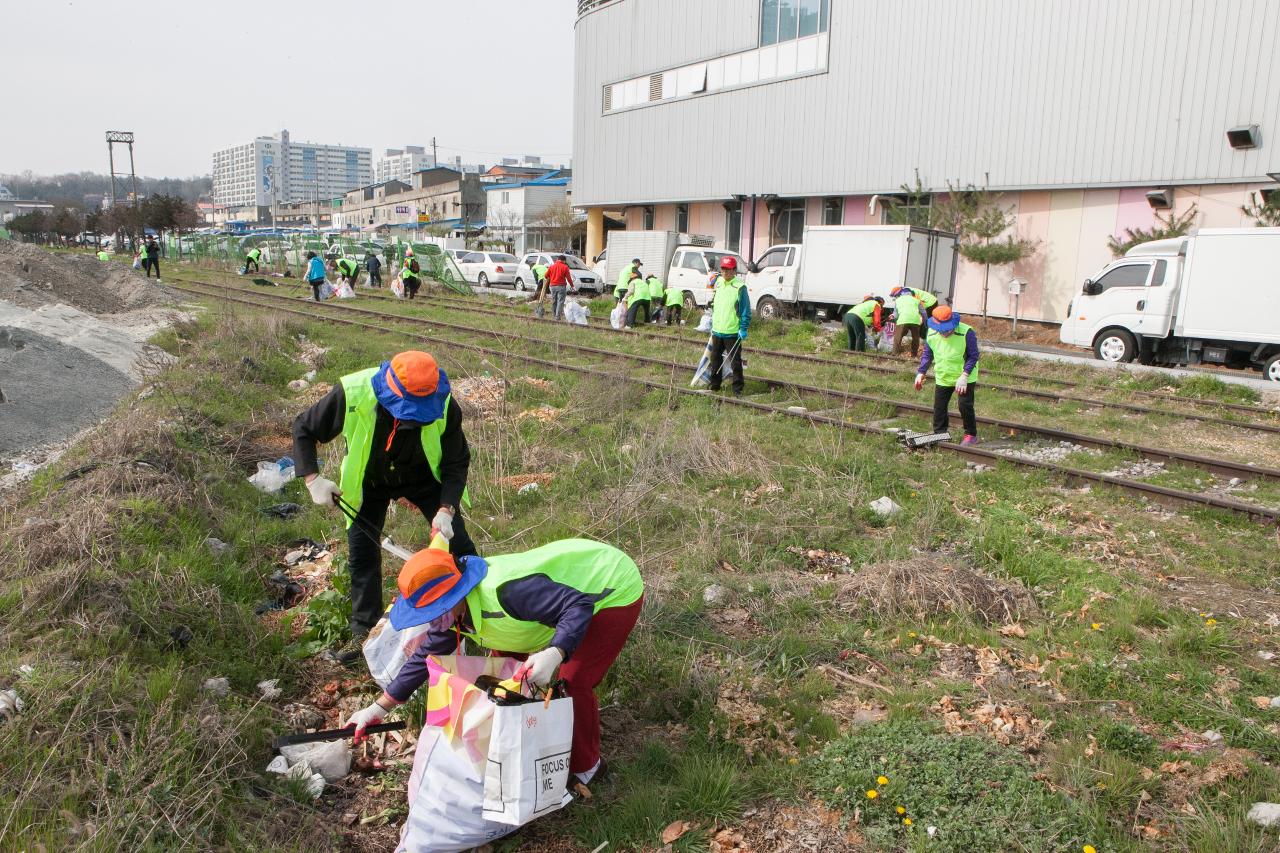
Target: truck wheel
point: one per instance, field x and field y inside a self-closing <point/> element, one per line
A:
<point x="690" y="305"/>
<point x="1116" y="346"/>
<point x="768" y="307"/>
<point x="1272" y="368"/>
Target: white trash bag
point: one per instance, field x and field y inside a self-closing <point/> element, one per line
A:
<point x="704" y="325"/>
<point x="387" y="648"/>
<point x="326" y="290"/>
<point x="618" y="316"/>
<point x="345" y="291"/>
<point x="575" y="313"/>
<point x="397" y="288"/>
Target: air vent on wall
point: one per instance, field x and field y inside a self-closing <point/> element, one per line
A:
<point x="655" y="87"/>
<point x="608" y="98"/>
<point x="1244" y="136"/>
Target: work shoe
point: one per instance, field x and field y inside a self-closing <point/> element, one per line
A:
<point x="581" y="790"/>
<point x="352" y="650"/>
<point x="969" y="439"/>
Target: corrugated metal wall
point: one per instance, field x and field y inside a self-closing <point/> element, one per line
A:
<point x="1035" y="93"/>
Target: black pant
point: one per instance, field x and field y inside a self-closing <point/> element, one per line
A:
<point x="248" y="261"/>
<point x="639" y="308"/>
<point x="942" y="399"/>
<point x="155" y="266"/>
<point x="674" y="311"/>
<point x="733" y="348"/>
<point x="857" y="332"/>
<point x="411" y="286"/>
<point x="315" y="289"/>
<point x="375" y="278"/>
<point x="364" y="552"/>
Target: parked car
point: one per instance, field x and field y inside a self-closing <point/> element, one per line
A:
<point x="583" y="277"/>
<point x="485" y="268"/>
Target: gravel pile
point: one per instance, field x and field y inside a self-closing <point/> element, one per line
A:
<point x="31" y="277"/>
<point x="1137" y="470"/>
<point x="1047" y="451"/>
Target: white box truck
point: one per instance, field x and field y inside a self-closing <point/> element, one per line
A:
<point x="1209" y="298"/>
<point x="837" y="265"/>
<point x="655" y="249"/>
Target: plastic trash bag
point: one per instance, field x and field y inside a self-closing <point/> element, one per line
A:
<point x="326" y="290"/>
<point x="272" y="476"/>
<point x="575" y="313"/>
<point x="397" y="288"/>
<point x="704" y="325"/>
<point x="618" y="316"/>
<point x="702" y="373"/>
<point x="137" y="262"/>
<point x="345" y="291"/>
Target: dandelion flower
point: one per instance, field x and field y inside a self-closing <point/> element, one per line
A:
<point x="871" y="795"/>
<point x="1211" y="622"/>
<point x="882" y="780"/>
<point x="1089" y="848"/>
<point x="911" y="634"/>
<point x="906" y="821"/>
<point x="1097" y="626"/>
<point x="793" y="761"/>
<point x="901" y="810"/>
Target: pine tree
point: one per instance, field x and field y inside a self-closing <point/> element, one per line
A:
<point x="1265" y="214"/>
<point x="1166" y="228"/>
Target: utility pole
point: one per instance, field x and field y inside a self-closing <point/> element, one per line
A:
<point x="435" y="154"/>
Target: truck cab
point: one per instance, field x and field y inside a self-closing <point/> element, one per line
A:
<point x="1129" y="301"/>
<point x="693" y="270"/>
<point x="774" y="277"/>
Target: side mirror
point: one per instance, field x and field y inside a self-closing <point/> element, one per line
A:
<point x="1091" y="287"/>
<point x="753" y="267"/>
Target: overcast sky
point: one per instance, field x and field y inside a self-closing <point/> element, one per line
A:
<point x="485" y="77"/>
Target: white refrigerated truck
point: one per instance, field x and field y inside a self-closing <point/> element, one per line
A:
<point x="655" y="249"/>
<point x="1209" y="298"/>
<point x="837" y="265"/>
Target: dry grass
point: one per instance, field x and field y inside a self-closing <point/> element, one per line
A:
<point x="925" y="586"/>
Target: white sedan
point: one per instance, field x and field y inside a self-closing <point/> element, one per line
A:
<point x="583" y="276"/>
<point x="486" y="268"/>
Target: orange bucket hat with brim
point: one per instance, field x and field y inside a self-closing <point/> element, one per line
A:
<point x="431" y="583"/>
<point x="944" y="319"/>
<point x="412" y="387"/>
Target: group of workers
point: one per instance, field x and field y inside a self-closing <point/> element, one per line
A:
<point x="647" y="299"/>
<point x="566" y="608"/>
<point x="348" y="271"/>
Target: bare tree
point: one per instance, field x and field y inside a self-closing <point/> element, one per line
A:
<point x="503" y="225"/>
<point x="559" y="223"/>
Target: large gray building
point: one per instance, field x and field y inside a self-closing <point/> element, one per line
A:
<point x="277" y="169"/>
<point x="1078" y="110"/>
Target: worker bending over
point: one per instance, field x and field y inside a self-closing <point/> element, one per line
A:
<point x="637" y="300"/>
<point x="568" y="605"/>
<point x="861" y="317"/>
<point x="674" y="305"/>
<point x="906" y="319"/>
<point x="404" y="440"/>
<point x="624" y="279"/>
<point x="657" y="293"/>
<point x="730" y="318"/>
<point x="348" y="270"/>
<point x="255" y="254"/>
<point x="952" y="347"/>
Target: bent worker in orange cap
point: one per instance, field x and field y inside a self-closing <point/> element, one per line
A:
<point x="569" y="606"/>
<point x="404" y="442"/>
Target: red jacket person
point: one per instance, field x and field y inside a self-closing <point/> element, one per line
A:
<point x="404" y="441"/>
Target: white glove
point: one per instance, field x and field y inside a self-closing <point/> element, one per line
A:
<point x="443" y="523"/>
<point x="541" y="666"/>
<point x="365" y="717"/>
<point x="962" y="384"/>
<point x="919" y="381"/>
<point x="323" y="491"/>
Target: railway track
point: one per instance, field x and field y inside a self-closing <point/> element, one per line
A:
<point x="336" y="312"/>
<point x="1053" y="397"/>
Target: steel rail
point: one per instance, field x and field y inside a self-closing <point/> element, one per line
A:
<point x="1220" y="466"/>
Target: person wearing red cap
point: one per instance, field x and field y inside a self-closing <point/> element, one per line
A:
<point x="405" y="442"/>
<point x="952" y="347"/>
<point x="569" y="606"/>
<point x="730" y="319"/>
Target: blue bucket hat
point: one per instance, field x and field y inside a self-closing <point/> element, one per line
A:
<point x="434" y="587"/>
<point x="411" y="387"/>
<point x="944" y="319"/>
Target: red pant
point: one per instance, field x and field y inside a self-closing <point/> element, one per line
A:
<point x="605" y="637"/>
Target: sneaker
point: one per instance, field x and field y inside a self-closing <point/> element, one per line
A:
<point x="352" y="650"/>
<point x="969" y="439"/>
<point x="579" y="789"/>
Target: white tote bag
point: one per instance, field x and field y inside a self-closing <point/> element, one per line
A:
<point x="387" y="649"/>
<point x="528" y="770"/>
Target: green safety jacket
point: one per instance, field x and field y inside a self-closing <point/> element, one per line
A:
<point x="906" y="309"/>
<point x="104" y="256"/>
<point x="927" y="300"/>
<point x="595" y="568"/>
<point x="624" y="279"/>
<point x="724" y="307"/>
<point x="656" y="289"/>
<point x="865" y="310"/>
<point x="948" y="356"/>
<point x="639" y="292"/>
<point x="406" y="271"/>
<point x="540" y="272"/>
<point x="357" y="430"/>
<point x="346" y="266"/>
<point x="675" y="296"/>
<point x="254" y="254"/>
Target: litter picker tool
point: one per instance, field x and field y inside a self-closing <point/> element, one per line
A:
<point x="369" y="530"/>
<point x="921" y="440"/>
<point x="334" y="734"/>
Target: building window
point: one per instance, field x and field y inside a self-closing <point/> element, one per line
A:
<point x="682" y="218"/>
<point x="733" y="225"/>
<point x="787" y="220"/>
<point x="833" y="211"/>
<point x="909" y="209"/>
<point x="648" y="217"/>
<point x="787" y="20"/>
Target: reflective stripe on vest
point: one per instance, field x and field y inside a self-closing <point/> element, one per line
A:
<point x="724" y="307"/>
<point x="602" y="571"/>
<point x="906" y="309"/>
<point x="357" y="428"/>
<point x="948" y="356"/>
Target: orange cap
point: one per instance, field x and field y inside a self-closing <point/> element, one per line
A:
<point x="427" y="576"/>
<point x="415" y="372"/>
<point x="942" y="313"/>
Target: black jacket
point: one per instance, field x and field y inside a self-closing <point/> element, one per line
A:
<point x="389" y="472"/>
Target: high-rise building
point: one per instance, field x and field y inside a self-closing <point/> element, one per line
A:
<point x="399" y="164"/>
<point x="275" y="169"/>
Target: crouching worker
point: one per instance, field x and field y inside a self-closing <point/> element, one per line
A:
<point x="568" y="605"/>
<point x="952" y="348"/>
<point x="404" y="440"/>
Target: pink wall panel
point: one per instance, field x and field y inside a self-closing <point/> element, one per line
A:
<point x="1132" y="210"/>
<point x="855" y="210"/>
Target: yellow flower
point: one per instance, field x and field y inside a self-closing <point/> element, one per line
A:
<point x="911" y="634"/>
<point x="906" y="821"/>
<point x="1097" y="626"/>
<point x="1089" y="848"/>
<point x="1211" y="622"/>
<point x="901" y="810"/>
<point x="1102" y="786"/>
<point x="871" y="795"/>
<point x="793" y="761"/>
<point x="882" y="780"/>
